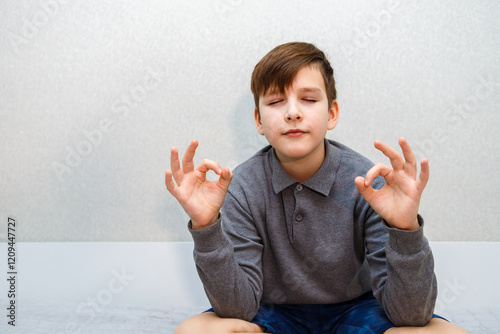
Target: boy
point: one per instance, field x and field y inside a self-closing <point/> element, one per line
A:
<point x="298" y="241"/>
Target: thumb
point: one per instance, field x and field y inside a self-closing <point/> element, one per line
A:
<point x="366" y="191"/>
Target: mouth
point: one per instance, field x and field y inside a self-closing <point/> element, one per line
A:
<point x="294" y="133"/>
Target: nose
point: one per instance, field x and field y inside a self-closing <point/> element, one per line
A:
<point x="293" y="113"/>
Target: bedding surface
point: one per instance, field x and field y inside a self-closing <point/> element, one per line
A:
<point x="71" y="318"/>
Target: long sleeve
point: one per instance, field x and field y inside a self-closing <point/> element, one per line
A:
<point x="279" y="241"/>
<point x="230" y="269"/>
<point x="404" y="283"/>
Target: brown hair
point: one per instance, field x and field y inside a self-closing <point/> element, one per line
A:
<point x="278" y="68"/>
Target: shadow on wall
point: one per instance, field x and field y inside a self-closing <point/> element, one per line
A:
<point x="247" y="141"/>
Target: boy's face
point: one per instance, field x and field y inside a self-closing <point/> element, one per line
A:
<point x="295" y="123"/>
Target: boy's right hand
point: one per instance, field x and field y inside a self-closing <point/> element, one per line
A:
<point x="200" y="198"/>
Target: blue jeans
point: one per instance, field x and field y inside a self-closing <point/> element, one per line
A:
<point x="362" y="315"/>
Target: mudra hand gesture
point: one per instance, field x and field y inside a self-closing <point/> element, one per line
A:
<point x="398" y="200"/>
<point x="200" y="198"/>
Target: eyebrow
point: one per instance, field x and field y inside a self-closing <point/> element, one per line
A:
<point x="310" y="90"/>
<point x="300" y="90"/>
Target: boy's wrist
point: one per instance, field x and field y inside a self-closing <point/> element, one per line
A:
<point x="196" y="226"/>
<point x="405" y="241"/>
<point x="415" y="225"/>
<point x="209" y="238"/>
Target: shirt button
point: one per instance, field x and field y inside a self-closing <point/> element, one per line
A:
<point x="299" y="187"/>
<point x="299" y="217"/>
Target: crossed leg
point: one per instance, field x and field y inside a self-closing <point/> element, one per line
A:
<point x="210" y="323"/>
<point x="436" y="325"/>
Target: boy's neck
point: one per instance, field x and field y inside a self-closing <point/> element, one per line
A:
<point x="302" y="169"/>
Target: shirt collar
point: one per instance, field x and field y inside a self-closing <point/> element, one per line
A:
<point x="322" y="181"/>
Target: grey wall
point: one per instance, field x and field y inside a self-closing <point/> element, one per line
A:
<point x="94" y="93"/>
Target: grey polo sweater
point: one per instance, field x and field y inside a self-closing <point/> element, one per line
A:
<point x="280" y="241"/>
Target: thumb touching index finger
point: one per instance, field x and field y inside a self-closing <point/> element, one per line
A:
<point x="207" y="165"/>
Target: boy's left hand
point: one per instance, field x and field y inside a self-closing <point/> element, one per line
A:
<point x="398" y="200"/>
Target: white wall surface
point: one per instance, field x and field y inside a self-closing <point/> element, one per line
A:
<point x="94" y="93"/>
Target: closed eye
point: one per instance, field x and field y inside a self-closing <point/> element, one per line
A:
<point x="274" y="102"/>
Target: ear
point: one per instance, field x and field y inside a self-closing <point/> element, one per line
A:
<point x="258" y="123"/>
<point x="333" y="115"/>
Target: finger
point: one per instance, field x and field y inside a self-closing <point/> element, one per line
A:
<point x="378" y="169"/>
<point x="366" y="191"/>
<point x="187" y="160"/>
<point x="410" y="162"/>
<point x="424" y="175"/>
<point x="176" y="165"/>
<point x="171" y="186"/>
<point x="225" y="178"/>
<point x="396" y="160"/>
<point x="207" y="165"/>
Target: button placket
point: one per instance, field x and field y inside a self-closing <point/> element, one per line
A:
<point x="298" y="217"/>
